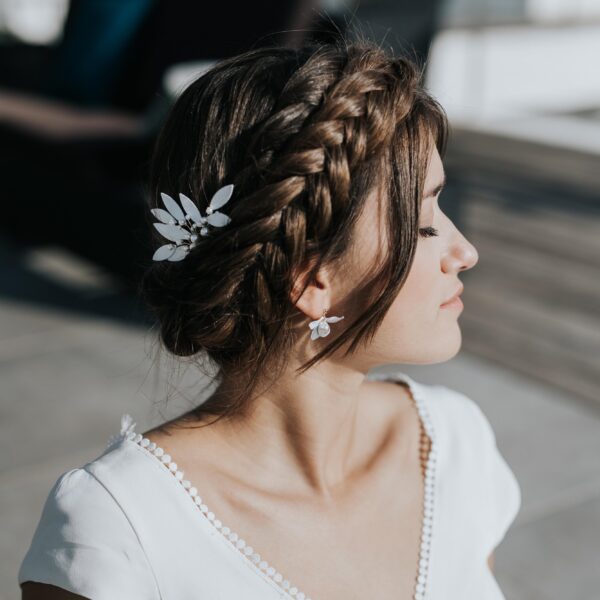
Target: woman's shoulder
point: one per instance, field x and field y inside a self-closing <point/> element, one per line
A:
<point x="79" y="498"/>
<point x="461" y="427"/>
<point x="84" y="542"/>
<point x="469" y="456"/>
<point x="78" y="505"/>
<point x="475" y="483"/>
<point x="456" y="414"/>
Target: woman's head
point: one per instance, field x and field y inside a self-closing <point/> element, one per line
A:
<point x="329" y="148"/>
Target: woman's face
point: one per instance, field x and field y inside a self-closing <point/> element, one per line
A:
<point x="418" y="329"/>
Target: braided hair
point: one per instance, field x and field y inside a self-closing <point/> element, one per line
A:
<point x="303" y="134"/>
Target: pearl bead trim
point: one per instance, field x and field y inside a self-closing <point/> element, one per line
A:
<point x="420" y="591"/>
<point x="247" y="551"/>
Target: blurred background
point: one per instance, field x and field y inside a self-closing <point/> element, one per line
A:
<point x="84" y="86"/>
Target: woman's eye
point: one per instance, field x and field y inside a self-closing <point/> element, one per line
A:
<point x="428" y="231"/>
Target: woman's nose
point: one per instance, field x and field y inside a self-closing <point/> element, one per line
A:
<point x="461" y="255"/>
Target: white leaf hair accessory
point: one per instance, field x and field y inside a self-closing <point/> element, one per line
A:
<point x="183" y="226"/>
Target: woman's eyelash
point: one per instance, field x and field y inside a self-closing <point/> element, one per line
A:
<point x="428" y="231"/>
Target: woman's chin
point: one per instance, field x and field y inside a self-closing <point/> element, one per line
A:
<point x="448" y="347"/>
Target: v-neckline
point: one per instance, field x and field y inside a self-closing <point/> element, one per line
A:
<point x="266" y="571"/>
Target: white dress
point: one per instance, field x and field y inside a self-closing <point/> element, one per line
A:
<point x="129" y="525"/>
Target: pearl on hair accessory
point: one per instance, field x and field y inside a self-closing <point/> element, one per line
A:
<point x="320" y="327"/>
<point x="183" y="227"/>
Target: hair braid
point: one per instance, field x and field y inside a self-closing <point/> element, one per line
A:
<point x="330" y="134"/>
<point x="315" y="145"/>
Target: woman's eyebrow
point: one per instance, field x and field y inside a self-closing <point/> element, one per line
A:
<point x="436" y="190"/>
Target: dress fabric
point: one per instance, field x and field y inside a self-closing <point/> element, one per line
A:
<point x="122" y="525"/>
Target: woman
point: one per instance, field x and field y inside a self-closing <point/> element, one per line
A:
<point x="307" y="247"/>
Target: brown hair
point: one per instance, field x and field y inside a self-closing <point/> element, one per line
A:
<point x="304" y="135"/>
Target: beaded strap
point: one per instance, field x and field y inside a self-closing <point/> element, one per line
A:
<point x="247" y="551"/>
<point x="429" y="484"/>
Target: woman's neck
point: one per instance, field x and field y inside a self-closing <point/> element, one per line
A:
<point x="304" y="424"/>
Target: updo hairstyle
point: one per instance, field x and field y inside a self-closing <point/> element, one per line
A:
<point x="303" y="135"/>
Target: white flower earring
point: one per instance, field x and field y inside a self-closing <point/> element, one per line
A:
<point x="320" y="327"/>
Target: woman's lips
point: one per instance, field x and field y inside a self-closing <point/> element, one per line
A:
<point x="455" y="301"/>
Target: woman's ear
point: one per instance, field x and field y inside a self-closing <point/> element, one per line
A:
<point x="316" y="297"/>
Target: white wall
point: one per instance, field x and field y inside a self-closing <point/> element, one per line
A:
<point x="553" y="10"/>
<point x="33" y="21"/>
<point x="505" y="71"/>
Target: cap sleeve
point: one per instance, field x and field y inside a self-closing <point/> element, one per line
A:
<point x="85" y="544"/>
<point x="501" y="490"/>
<point x="480" y="474"/>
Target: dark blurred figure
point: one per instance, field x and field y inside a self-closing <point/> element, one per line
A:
<point x="78" y="120"/>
